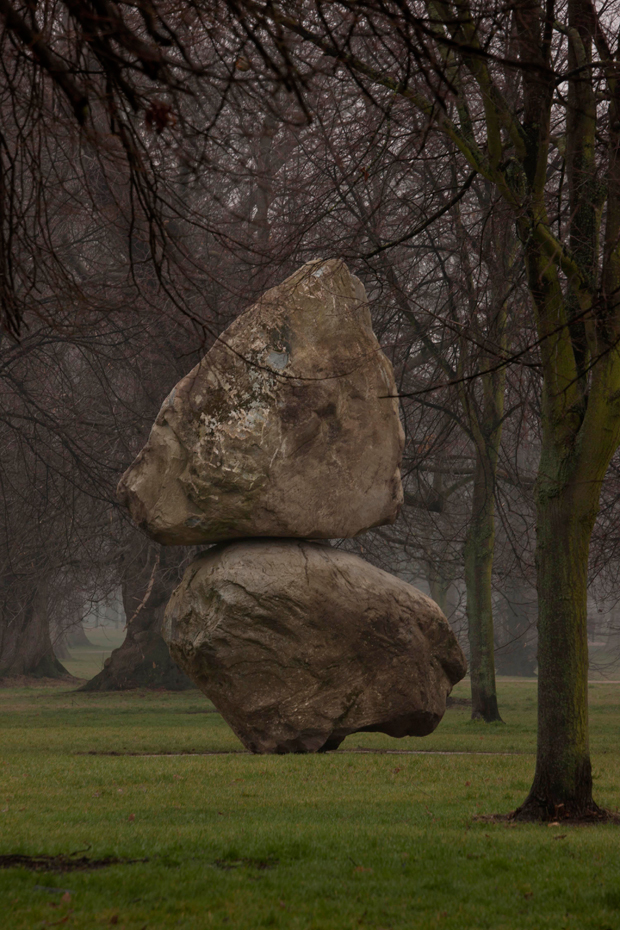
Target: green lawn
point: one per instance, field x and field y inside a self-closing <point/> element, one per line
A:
<point x="342" y="840"/>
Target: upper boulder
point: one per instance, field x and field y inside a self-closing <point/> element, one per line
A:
<point x="289" y="425"/>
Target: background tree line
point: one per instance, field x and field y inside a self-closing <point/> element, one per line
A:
<point x="161" y="165"/>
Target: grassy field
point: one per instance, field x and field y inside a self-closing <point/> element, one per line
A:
<point x="350" y="839"/>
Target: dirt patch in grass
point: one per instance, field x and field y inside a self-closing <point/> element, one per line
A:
<point x="260" y="864"/>
<point x="593" y="817"/>
<point x="151" y="755"/>
<point x="360" y="750"/>
<point x="197" y="710"/>
<point x="61" y="863"/>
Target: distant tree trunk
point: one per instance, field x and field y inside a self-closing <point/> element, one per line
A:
<point x="439" y="585"/>
<point x="76" y="636"/>
<point x="61" y="650"/>
<point x="483" y="408"/>
<point x="25" y="642"/>
<point x="515" y="653"/>
<point x="69" y="638"/>
<point x="143" y="660"/>
<point x="439" y="568"/>
<point x="478" y="554"/>
<point x="485" y="424"/>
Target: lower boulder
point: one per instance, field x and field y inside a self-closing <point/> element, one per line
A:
<point x="298" y="645"/>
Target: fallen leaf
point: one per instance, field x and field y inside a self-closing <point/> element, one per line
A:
<point x="66" y="898"/>
<point x="555" y="823"/>
<point x="114" y="919"/>
<point x="467" y="784"/>
<point x="131" y="817"/>
<point x="396" y="771"/>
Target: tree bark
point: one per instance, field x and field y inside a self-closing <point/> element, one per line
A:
<point x="563" y="780"/>
<point x="576" y="299"/>
<point x="478" y="554"/>
<point x="25" y="642"/>
<point x="143" y="660"/>
<point x="515" y="652"/>
<point x="439" y="586"/>
<point x="484" y="416"/>
<point x="76" y="636"/>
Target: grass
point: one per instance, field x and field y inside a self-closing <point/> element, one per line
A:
<point x="342" y="840"/>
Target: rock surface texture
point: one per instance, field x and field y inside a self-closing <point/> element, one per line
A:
<point x="286" y="428"/>
<point x="298" y="645"/>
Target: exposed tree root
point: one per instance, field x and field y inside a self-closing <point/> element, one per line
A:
<point x="596" y="815"/>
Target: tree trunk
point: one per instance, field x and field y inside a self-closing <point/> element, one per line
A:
<point x="562" y="784"/>
<point x="70" y="638"/>
<point x="478" y="553"/>
<point x="143" y="660"/>
<point x="440" y="570"/>
<point x="439" y="585"/>
<point x="515" y="650"/>
<point x="25" y="643"/>
<point x="484" y="413"/>
<point x="76" y="636"/>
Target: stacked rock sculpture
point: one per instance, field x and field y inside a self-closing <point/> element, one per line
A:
<point x="286" y="435"/>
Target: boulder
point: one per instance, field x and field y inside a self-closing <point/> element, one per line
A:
<point x="288" y="427"/>
<point x="299" y="644"/>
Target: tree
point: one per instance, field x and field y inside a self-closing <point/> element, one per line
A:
<point x="149" y="575"/>
<point x="441" y="301"/>
<point x="522" y="100"/>
<point x="74" y="405"/>
<point x="510" y="88"/>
